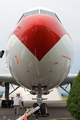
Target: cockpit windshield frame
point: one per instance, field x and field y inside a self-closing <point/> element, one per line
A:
<point x="29" y="13"/>
<point x="39" y="11"/>
<point x="47" y="12"/>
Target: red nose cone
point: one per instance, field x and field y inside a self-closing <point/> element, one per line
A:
<point x="39" y="33"/>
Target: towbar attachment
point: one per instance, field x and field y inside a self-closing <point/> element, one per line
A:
<point x="29" y="112"/>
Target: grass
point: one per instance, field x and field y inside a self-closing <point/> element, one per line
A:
<point x="64" y="98"/>
<point x="1" y="96"/>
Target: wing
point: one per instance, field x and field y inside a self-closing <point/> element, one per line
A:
<point x="69" y="79"/>
<point x="7" y="78"/>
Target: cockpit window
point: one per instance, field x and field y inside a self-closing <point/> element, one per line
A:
<point x="29" y="13"/>
<point x="58" y="18"/>
<point x="47" y="12"/>
<point x="20" y="18"/>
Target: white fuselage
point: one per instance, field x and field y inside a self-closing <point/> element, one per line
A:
<point x="50" y="70"/>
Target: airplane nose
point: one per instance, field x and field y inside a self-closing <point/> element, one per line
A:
<point x="39" y="33"/>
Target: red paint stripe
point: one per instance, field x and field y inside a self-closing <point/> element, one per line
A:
<point x="42" y="90"/>
<point x="17" y="60"/>
<point x="39" y="33"/>
<point x="67" y="57"/>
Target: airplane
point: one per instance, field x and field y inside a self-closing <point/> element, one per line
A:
<point x="39" y="54"/>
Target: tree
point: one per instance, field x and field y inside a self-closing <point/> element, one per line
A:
<point x="73" y="101"/>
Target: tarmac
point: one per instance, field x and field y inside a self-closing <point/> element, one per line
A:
<point x="56" y="109"/>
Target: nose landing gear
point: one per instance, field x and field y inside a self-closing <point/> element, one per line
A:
<point x="39" y="109"/>
<point x="43" y="106"/>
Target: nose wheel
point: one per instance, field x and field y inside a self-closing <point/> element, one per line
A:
<point x="43" y="109"/>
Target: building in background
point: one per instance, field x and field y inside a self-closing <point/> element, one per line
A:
<point x="53" y="96"/>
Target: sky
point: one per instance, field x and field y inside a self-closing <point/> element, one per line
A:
<point x="67" y="10"/>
